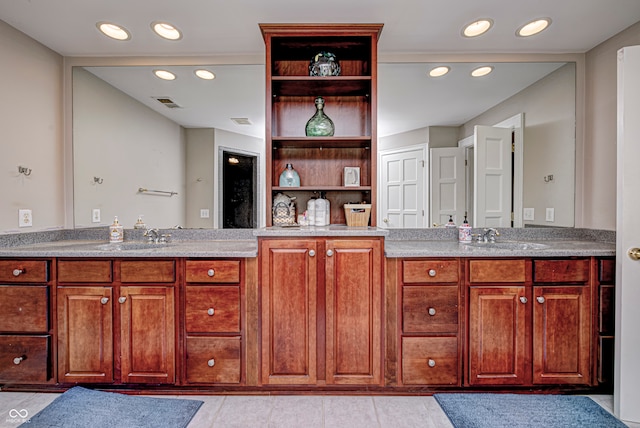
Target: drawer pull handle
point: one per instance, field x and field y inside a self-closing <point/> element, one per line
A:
<point x="17" y="272"/>
<point x="432" y="273"/>
<point x="211" y="362"/>
<point x="432" y="311"/>
<point x="540" y="299"/>
<point x="329" y="253"/>
<point x="211" y="272"/>
<point x="18" y="360"/>
<point x="431" y="362"/>
<point x="104" y="300"/>
<point x="122" y="299"/>
<point x="312" y="253"/>
<point x="211" y="311"/>
<point x="523" y="299"/>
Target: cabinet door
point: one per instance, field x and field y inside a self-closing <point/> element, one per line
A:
<point x="353" y="311"/>
<point x="497" y="336"/>
<point x="147" y="334"/>
<point x="85" y="334"/>
<point x="289" y="306"/>
<point x="561" y="335"/>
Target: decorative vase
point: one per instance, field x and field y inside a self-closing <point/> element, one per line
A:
<point x="324" y="64"/>
<point x="319" y="125"/>
<point x="289" y="177"/>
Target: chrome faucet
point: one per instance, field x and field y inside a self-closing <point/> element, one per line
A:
<point x="488" y="235"/>
<point x="152" y="235"/>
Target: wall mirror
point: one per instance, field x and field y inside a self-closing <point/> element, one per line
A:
<point x="132" y="131"/>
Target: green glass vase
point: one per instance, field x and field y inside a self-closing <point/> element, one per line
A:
<point x="319" y="125"/>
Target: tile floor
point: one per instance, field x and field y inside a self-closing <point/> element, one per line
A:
<point x="303" y="411"/>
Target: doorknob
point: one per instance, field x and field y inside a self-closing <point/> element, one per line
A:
<point x="386" y="220"/>
<point x="634" y="253"/>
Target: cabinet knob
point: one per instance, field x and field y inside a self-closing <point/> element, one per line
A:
<point x="18" y="360"/>
<point x="540" y="299"/>
<point x="523" y="299"/>
<point x="312" y="253"/>
<point x="432" y="273"/>
<point x="211" y="362"/>
<point x="104" y="300"/>
<point x="432" y="311"/>
<point x="122" y="299"/>
<point x="329" y="253"/>
<point x="431" y="362"/>
<point x="17" y="272"/>
<point x="211" y="272"/>
<point x="211" y="311"/>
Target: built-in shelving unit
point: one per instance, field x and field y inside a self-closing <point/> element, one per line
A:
<point x="350" y="101"/>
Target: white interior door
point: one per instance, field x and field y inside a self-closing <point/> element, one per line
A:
<point x="402" y="188"/>
<point x="492" y="181"/>
<point x="447" y="170"/>
<point x="627" y="339"/>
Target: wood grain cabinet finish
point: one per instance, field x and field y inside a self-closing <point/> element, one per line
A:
<point x="605" y="336"/>
<point x="26" y="328"/>
<point x="212" y="309"/>
<point x="212" y="360"/>
<point x="345" y="310"/>
<point x="212" y="271"/>
<point x="535" y="332"/>
<point x="114" y="332"/>
<point x="430" y="361"/>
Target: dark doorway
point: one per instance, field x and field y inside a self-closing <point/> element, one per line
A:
<point x="239" y="174"/>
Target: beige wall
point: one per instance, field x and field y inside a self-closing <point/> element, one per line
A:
<point x="599" y="199"/>
<point x="31" y="133"/>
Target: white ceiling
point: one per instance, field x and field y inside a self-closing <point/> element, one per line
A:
<point x="410" y="27"/>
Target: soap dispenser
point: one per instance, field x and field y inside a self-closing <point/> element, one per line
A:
<point x="116" y="231"/>
<point x="139" y="223"/>
<point x="450" y="224"/>
<point x="323" y="211"/>
<point x="464" y="231"/>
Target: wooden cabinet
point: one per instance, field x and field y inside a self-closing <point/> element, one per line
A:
<point x="213" y="321"/>
<point x="605" y="320"/>
<point x="116" y="321"/>
<point x="532" y="328"/>
<point x="321" y="311"/>
<point x="350" y="101"/>
<point x="25" y="322"/>
<point x="430" y="319"/>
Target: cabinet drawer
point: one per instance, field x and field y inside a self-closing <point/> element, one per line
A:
<point x="24" y="270"/>
<point x="24" y="358"/>
<point x="213" y="359"/>
<point x="212" y="309"/>
<point x="84" y="271"/>
<point x="430" y="361"/>
<point x="24" y="308"/>
<point x="147" y="271"/>
<point x="429" y="271"/>
<point x="561" y="271"/>
<point x="210" y="271"/>
<point x="492" y="271"/>
<point x="430" y="309"/>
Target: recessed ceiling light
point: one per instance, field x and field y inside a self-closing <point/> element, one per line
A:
<point x="477" y="27"/>
<point x="166" y="30"/>
<point x="482" y="71"/>
<point x="164" y="74"/>
<point x="439" y="71"/>
<point x="114" y="31"/>
<point x="205" y="74"/>
<point x="533" y="27"/>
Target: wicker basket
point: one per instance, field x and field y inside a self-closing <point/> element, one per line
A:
<point x="357" y="214"/>
<point x="283" y="214"/>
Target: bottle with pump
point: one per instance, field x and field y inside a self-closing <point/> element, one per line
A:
<point x="311" y="212"/>
<point x="322" y="212"/>
<point x="450" y="224"/>
<point x="464" y="231"/>
<point x="116" y="231"/>
<point x="139" y="223"/>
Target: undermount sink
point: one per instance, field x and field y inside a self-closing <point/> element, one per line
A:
<point x="128" y="246"/>
<point x="510" y="245"/>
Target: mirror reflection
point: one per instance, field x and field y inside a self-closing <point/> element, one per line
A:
<point x="132" y="131"/>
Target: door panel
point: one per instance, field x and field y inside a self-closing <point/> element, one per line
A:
<point x="447" y="184"/>
<point x="403" y="189"/>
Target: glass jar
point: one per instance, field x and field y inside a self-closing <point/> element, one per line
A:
<point x="319" y="125"/>
<point x="289" y="177"/>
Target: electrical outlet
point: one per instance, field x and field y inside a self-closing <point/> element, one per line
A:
<point x="550" y="214"/>
<point x="25" y="218"/>
<point x="528" y="214"/>
<point x="95" y="215"/>
<point x="204" y="213"/>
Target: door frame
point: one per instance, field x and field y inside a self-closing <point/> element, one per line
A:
<point x="219" y="189"/>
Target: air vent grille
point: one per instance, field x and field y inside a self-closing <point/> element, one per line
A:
<point x="167" y="102"/>
<point x="241" y="120"/>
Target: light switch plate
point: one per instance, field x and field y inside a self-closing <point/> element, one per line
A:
<point x="528" y="214"/>
<point x="95" y="215"/>
<point x="204" y="213"/>
<point x="25" y="218"/>
<point x="550" y="214"/>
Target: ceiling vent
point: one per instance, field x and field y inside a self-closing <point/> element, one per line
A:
<point x="241" y="120"/>
<point x="167" y="102"/>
